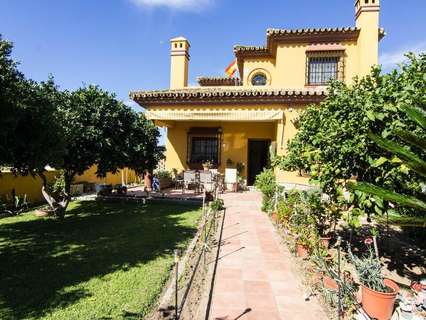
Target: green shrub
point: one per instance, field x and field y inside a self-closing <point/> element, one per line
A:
<point x="217" y="205"/>
<point x="57" y="187"/>
<point x="267" y="184"/>
<point x="163" y="174"/>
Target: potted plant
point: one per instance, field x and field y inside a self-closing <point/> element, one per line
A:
<point x="324" y="214"/>
<point x="240" y="166"/>
<point x="207" y="165"/>
<point x="302" y="246"/>
<point x="165" y="178"/>
<point x="267" y="184"/>
<point x="378" y="294"/>
<point x="302" y="224"/>
<point x="229" y="163"/>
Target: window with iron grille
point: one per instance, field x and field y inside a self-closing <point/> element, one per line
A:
<point x="322" y="69"/>
<point x="204" y="149"/>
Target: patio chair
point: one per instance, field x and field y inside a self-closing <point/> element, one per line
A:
<point x="231" y="179"/>
<point x="220" y="183"/>
<point x="190" y="178"/>
<point x="206" y="180"/>
<point x="178" y="179"/>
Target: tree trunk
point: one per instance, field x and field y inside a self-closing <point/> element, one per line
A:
<point x="68" y="177"/>
<point x="43" y="177"/>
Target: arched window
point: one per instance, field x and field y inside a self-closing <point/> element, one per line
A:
<point x="259" y="79"/>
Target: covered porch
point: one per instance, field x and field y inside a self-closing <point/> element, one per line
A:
<point x="189" y="144"/>
<point x="219" y="123"/>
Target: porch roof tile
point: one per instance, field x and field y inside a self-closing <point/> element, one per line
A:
<point x="208" y="95"/>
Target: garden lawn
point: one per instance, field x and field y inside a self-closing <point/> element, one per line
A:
<point x="101" y="262"/>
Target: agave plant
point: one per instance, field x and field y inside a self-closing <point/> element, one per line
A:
<point x="411" y="159"/>
<point x="369" y="270"/>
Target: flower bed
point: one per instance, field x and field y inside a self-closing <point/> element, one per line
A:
<point x="348" y="273"/>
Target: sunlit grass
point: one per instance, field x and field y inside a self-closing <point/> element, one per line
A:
<point x="101" y="261"/>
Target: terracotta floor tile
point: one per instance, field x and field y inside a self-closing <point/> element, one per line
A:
<point x="254" y="270"/>
<point x="255" y="286"/>
<point x="262" y="302"/>
<point x="254" y="274"/>
<point x="225" y="273"/>
<point x="263" y="315"/>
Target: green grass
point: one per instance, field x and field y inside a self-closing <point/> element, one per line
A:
<point x="101" y="261"/>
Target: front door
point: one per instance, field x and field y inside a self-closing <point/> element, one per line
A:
<point x="258" y="158"/>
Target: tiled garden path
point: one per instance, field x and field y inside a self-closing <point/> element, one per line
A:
<point x="254" y="269"/>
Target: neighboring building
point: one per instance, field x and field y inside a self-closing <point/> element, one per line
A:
<point x="242" y="118"/>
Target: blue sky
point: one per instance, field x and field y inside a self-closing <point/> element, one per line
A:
<point x="123" y="45"/>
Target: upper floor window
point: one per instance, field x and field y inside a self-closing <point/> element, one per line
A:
<point x="322" y="69"/>
<point x="259" y="79"/>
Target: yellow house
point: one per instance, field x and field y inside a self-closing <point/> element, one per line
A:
<point x="243" y="118"/>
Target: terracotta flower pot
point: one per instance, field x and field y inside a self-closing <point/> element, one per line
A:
<point x="325" y="241"/>
<point x="302" y="250"/>
<point x="274" y="217"/>
<point x="147" y="179"/>
<point x="380" y="305"/>
<point x="329" y="283"/>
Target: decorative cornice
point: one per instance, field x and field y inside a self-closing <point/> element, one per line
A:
<point x="199" y="96"/>
<point x="218" y="81"/>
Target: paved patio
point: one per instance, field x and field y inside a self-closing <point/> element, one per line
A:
<point x="254" y="270"/>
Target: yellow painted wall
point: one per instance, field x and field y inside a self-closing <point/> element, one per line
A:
<point x="234" y="141"/>
<point x="31" y="186"/>
<point x="235" y="138"/>
<point x="368" y="43"/>
<point x="288" y="69"/>
<point x="90" y="176"/>
<point x="179" y="60"/>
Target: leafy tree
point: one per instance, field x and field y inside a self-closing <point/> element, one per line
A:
<point x="71" y="131"/>
<point x="100" y="130"/>
<point x="30" y="137"/>
<point x="333" y="142"/>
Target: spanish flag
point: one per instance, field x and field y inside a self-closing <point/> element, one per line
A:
<point x="232" y="68"/>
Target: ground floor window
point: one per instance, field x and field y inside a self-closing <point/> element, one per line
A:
<point x="204" y="149"/>
<point x="204" y="145"/>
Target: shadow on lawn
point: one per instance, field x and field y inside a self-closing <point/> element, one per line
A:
<point x="39" y="258"/>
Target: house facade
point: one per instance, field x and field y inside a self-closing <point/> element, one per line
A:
<point x="243" y="119"/>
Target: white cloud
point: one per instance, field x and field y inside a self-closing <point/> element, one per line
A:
<point x="185" y="5"/>
<point x="392" y="58"/>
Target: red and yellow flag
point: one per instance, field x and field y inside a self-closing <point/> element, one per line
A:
<point x="232" y="68"/>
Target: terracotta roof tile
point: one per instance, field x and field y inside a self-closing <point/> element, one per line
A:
<point x="218" y="81"/>
<point x="200" y="95"/>
<point x="272" y="31"/>
<point x="310" y="35"/>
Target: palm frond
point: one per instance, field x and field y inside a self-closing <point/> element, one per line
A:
<point x="410" y="138"/>
<point x="416" y="114"/>
<point x="410" y="158"/>
<point x="389" y="195"/>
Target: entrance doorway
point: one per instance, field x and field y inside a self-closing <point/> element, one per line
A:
<point x="258" y="158"/>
